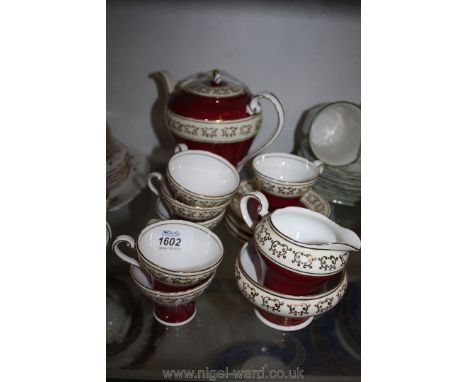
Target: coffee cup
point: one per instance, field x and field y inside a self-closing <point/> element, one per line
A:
<point x="285" y="178"/>
<point x="175" y="252"/>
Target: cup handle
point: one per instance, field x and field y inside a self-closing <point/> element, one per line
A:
<point x="319" y="164"/>
<point x="262" y="208"/>
<point x="254" y="107"/>
<point x="180" y="147"/>
<point x="130" y="241"/>
<point x="158" y="178"/>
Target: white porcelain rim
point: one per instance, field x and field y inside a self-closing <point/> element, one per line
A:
<point x="309" y="181"/>
<point x="281" y="327"/>
<point x="181" y="222"/>
<point x="304" y="245"/>
<point x="287" y="263"/>
<point x="175" y="323"/>
<point x="210" y="155"/>
<point x="182" y="293"/>
<point x="165" y="195"/>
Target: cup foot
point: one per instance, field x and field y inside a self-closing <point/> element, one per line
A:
<point x="180" y="323"/>
<point x="286" y="328"/>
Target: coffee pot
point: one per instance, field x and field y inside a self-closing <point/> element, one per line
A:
<point x="215" y="112"/>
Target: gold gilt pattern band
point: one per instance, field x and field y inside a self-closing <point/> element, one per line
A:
<point x="214" y="131"/>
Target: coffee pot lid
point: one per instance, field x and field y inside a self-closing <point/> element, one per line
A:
<point x="216" y="84"/>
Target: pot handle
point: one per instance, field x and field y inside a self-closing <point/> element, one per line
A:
<point x="154" y="185"/>
<point x="254" y="107"/>
<point x="262" y="208"/>
<point x="130" y="241"/>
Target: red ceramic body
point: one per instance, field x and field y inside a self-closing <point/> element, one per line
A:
<point x="173" y="313"/>
<point x="206" y="108"/>
<point x="209" y="108"/>
<point x="275" y="202"/>
<point x="285" y="281"/>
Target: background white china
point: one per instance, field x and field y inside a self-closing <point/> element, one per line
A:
<point x="335" y="133"/>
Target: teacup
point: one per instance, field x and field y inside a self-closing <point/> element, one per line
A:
<point x="175" y="252"/>
<point x="285" y="178"/>
<point x="180" y="209"/>
<point x="278" y="310"/>
<point x="302" y="248"/>
<point x="164" y="213"/>
<point x="200" y="178"/>
<point x="335" y="133"/>
<point x="172" y="307"/>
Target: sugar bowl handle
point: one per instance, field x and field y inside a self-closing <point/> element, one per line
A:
<point x="262" y="208"/>
<point x="254" y="107"/>
<point x="130" y="241"/>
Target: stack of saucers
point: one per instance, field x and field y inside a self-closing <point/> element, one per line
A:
<point x="293" y="269"/>
<point x="172" y="282"/>
<point x="235" y="223"/>
<point x="126" y="171"/>
<point x="340" y="185"/>
<point x="198" y="186"/>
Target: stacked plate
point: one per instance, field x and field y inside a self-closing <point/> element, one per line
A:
<point x="234" y="221"/>
<point x="340" y="185"/>
<point x="126" y="171"/>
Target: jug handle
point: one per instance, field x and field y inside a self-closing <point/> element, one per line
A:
<point x="262" y="208"/>
<point x="130" y="241"/>
<point x="254" y="107"/>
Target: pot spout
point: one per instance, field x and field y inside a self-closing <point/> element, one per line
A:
<point x="165" y="79"/>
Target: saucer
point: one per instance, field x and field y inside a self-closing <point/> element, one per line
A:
<point x="311" y="200"/>
<point x="133" y="185"/>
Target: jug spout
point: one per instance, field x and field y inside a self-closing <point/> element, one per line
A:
<point x="347" y="240"/>
<point x="166" y="80"/>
